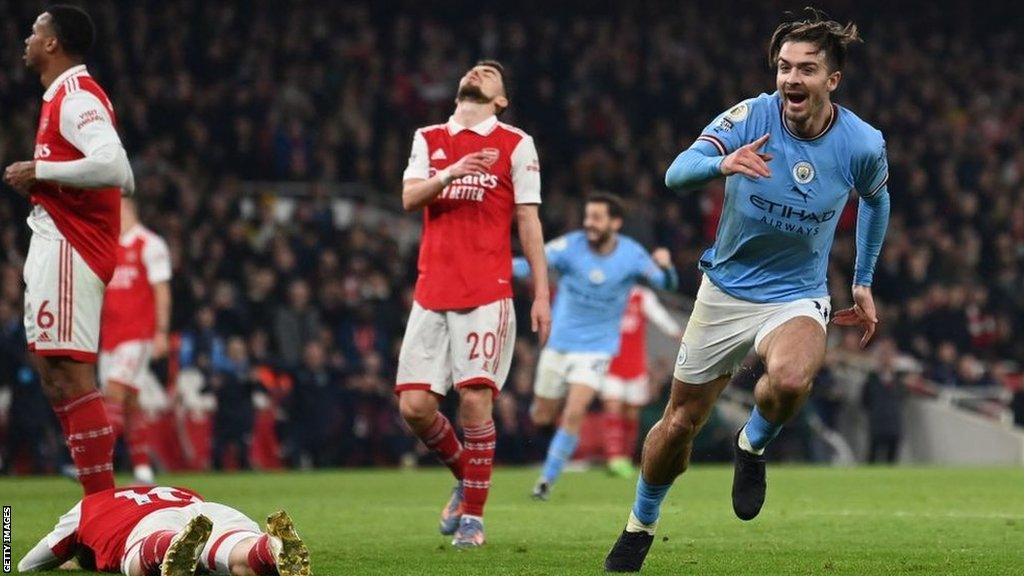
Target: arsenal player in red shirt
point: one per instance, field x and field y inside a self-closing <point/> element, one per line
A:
<point x="471" y="177"/>
<point x="135" y="320"/>
<point x="626" y="387"/>
<point x="75" y="184"/>
<point x="144" y="531"/>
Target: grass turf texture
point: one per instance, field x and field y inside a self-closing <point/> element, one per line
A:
<point x="816" y="521"/>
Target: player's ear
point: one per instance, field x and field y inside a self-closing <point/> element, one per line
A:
<point x="501" y="102"/>
<point x="833" y="80"/>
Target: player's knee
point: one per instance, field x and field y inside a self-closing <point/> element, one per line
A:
<point x="789" y="382"/>
<point x="416" y="412"/>
<point x="541" y="417"/>
<point x="683" y="424"/>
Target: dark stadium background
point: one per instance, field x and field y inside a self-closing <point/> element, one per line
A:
<point x="268" y="141"/>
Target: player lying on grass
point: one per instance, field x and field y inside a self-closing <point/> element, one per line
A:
<point x="144" y="531"/>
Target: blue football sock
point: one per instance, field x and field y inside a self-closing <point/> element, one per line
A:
<point x="560" y="451"/>
<point x="647" y="506"/>
<point x="759" y="431"/>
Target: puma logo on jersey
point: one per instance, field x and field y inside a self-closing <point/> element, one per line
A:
<point x="439" y="155"/>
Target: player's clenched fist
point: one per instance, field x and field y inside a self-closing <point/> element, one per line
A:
<point x="662" y="257"/>
<point x="21" y="176"/>
<point x="748" y="160"/>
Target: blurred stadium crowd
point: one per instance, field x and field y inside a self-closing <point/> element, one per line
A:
<point x="308" y="311"/>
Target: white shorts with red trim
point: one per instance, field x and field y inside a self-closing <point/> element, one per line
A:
<point x="633" y="391"/>
<point x="125" y="364"/>
<point x="229" y="528"/>
<point x="556" y="371"/>
<point x="63" y="300"/>
<point x="457" y="347"/>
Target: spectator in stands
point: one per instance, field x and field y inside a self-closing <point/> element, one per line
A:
<point x="233" y="383"/>
<point x="312" y="407"/>
<point x="883" y="397"/>
<point x="295" y="324"/>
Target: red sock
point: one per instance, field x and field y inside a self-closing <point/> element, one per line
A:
<point x="632" y="433"/>
<point x="90" y="439"/>
<point x="614" y="435"/>
<point x="478" y="463"/>
<point x="115" y="413"/>
<point x="443" y="442"/>
<point x="261" y="557"/>
<point x="152" y="551"/>
<point x="137" y="438"/>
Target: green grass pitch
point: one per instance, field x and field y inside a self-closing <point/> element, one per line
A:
<point x="831" y="521"/>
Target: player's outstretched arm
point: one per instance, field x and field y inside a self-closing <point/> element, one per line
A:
<point x="531" y="236"/>
<point x="655" y="311"/>
<point x="417" y="192"/>
<point x="41" y="558"/>
<point x="663" y="275"/>
<point x="55" y="548"/>
<point x="696" y="167"/>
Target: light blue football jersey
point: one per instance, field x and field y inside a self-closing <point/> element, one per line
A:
<point x="775" y="233"/>
<point x="593" y="290"/>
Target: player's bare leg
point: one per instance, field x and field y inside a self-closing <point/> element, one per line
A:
<point x="666" y="455"/>
<point x="564" y="443"/>
<point x="420" y="410"/>
<point x="70" y="386"/>
<point x="544" y="411"/>
<point x="793" y="354"/>
<point x="476" y="406"/>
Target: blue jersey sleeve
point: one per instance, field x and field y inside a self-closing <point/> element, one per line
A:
<point x="557" y="252"/>
<point x="737" y="126"/>
<point x="656" y="276"/>
<point x="520" y="267"/>
<point x="870" y="164"/>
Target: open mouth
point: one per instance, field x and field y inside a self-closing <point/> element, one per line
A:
<point x="796" y="97"/>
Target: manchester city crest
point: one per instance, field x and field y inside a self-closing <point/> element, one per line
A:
<point x="803" y="172"/>
<point x="596" y="276"/>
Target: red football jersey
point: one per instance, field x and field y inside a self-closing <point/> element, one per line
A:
<point x="129" y="305"/>
<point x="643" y="305"/>
<point x="466" y="251"/>
<point x="88" y="219"/>
<point x="631" y="361"/>
<point x="102" y="521"/>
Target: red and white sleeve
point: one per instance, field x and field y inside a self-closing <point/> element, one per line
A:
<point x="157" y="258"/>
<point x="526" y="172"/>
<point x="57" y="547"/>
<point x="87" y="125"/>
<point x="658" y="315"/>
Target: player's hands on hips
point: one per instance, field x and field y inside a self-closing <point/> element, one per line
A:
<point x="862" y="314"/>
<point x="21" y="176"/>
<point x="475" y="163"/>
<point x="540" y="319"/>
<point x="748" y="160"/>
<point x="159" y="345"/>
<point x="662" y="257"/>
